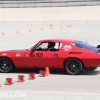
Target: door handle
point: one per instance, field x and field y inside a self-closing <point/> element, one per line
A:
<point x="56" y="54"/>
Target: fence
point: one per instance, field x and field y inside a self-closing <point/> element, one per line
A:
<point x="46" y="3"/>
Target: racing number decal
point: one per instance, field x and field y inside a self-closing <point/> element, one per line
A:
<point x="39" y="54"/>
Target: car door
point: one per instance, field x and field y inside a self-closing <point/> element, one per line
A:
<point x="41" y="57"/>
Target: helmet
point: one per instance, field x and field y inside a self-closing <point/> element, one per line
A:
<point x="51" y="44"/>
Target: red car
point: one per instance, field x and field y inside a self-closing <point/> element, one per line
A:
<point x="73" y="56"/>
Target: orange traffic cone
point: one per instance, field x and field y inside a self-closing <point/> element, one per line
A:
<point x="21" y="78"/>
<point x="4" y="22"/>
<point x="3" y="33"/>
<point x="47" y="71"/>
<point x="70" y="25"/>
<point x="51" y="24"/>
<point x="17" y="31"/>
<point x="9" y="81"/>
<point x="86" y="21"/>
<point x="31" y="24"/>
<point x="42" y="73"/>
<point x="61" y="26"/>
<point x="41" y="29"/>
<point x="32" y="76"/>
<point x="30" y="30"/>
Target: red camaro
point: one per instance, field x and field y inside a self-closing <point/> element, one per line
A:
<point x="73" y="56"/>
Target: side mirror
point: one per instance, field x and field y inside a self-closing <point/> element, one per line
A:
<point x="98" y="46"/>
<point x="33" y="50"/>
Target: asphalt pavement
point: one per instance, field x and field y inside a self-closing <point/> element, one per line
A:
<point x="59" y="85"/>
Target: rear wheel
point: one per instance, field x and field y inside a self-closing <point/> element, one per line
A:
<point x="6" y="65"/>
<point x="73" y="66"/>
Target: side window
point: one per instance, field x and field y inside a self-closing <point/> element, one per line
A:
<point x="48" y="46"/>
<point x="58" y="45"/>
<point x="42" y="46"/>
<point x="55" y="46"/>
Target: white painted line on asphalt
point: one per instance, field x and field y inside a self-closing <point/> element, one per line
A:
<point x="93" y="94"/>
<point x="66" y="93"/>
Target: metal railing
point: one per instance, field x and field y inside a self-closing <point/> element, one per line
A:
<point x="46" y="3"/>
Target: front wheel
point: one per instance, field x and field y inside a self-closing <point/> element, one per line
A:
<point x="6" y="65"/>
<point x="73" y="66"/>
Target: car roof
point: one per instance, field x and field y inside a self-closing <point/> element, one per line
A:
<point x="59" y="40"/>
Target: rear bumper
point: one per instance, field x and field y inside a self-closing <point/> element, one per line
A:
<point x="93" y="62"/>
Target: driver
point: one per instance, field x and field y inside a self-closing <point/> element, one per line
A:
<point x="51" y="46"/>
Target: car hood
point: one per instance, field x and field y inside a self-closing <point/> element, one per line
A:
<point x="21" y="50"/>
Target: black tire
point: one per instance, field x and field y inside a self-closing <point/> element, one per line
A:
<point x="92" y="69"/>
<point x="6" y="65"/>
<point x="73" y="66"/>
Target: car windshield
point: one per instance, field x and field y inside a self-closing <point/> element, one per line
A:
<point x="82" y="44"/>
